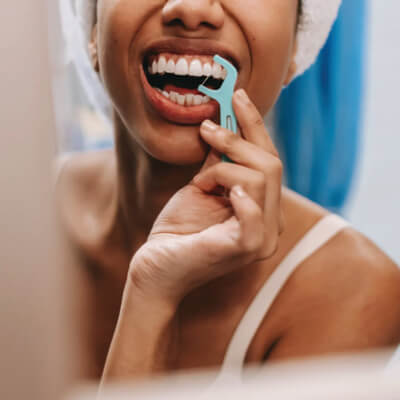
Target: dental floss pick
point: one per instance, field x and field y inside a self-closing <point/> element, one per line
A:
<point x="223" y="96"/>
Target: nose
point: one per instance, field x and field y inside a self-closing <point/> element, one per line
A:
<point x="193" y="14"/>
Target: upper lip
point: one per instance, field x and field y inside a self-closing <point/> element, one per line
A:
<point x="191" y="47"/>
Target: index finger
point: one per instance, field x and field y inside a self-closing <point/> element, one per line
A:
<point x="252" y="123"/>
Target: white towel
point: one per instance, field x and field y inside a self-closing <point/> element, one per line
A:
<point x="315" y="24"/>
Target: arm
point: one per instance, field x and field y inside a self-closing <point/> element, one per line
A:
<point x="143" y="339"/>
<point x="199" y="236"/>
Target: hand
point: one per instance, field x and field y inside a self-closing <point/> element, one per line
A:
<point x="200" y="235"/>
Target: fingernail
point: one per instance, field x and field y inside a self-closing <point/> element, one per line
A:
<point x="238" y="191"/>
<point x="242" y="95"/>
<point x="208" y="126"/>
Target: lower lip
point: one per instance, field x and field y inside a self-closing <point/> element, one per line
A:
<point x="176" y="113"/>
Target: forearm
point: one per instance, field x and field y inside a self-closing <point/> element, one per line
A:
<point x="144" y="338"/>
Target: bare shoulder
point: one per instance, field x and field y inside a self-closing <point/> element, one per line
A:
<point x="345" y="297"/>
<point x="78" y="169"/>
<point x="82" y="188"/>
<point x="361" y="276"/>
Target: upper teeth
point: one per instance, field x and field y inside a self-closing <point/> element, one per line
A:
<point x="181" y="66"/>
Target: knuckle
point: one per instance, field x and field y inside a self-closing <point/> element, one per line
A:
<point x="251" y="107"/>
<point x="258" y="121"/>
<point x="275" y="169"/>
<point x="251" y="243"/>
<point x="278" y="166"/>
<point x="252" y="246"/>
<point x="269" y="249"/>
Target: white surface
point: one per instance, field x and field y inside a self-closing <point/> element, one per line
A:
<point x="356" y="378"/>
<point x="374" y="208"/>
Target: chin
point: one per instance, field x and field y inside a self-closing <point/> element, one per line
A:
<point x="179" y="158"/>
<point x="178" y="146"/>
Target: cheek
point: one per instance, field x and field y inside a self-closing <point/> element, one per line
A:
<point x="119" y="22"/>
<point x="271" y="40"/>
<point x="116" y="24"/>
<point x="270" y="73"/>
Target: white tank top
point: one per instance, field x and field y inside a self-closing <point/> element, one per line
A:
<point x="314" y="239"/>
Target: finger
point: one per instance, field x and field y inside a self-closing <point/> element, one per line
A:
<point x="250" y="217"/>
<point x="251" y="122"/>
<point x="272" y="221"/>
<point x="228" y="175"/>
<point x="255" y="158"/>
<point x="236" y="148"/>
<point x="212" y="158"/>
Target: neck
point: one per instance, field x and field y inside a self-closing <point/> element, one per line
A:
<point x="145" y="184"/>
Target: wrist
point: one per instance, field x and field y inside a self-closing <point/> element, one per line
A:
<point x="148" y="283"/>
<point x="145" y="297"/>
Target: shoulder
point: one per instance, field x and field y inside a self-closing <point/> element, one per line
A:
<point x="349" y="261"/>
<point x="82" y="189"/>
<point x="346" y="296"/>
<point x="77" y="169"/>
<point x="369" y="282"/>
<point x="348" y="293"/>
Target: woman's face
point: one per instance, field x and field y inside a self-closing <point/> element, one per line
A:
<point x="258" y="36"/>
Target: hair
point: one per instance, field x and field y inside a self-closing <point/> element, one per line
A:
<point x="95" y="13"/>
<point x="299" y="11"/>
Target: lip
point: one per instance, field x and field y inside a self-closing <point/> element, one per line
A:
<point x="176" y="113"/>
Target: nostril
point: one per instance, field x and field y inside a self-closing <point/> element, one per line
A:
<point x="175" y="22"/>
<point x="193" y="14"/>
<point x="208" y="25"/>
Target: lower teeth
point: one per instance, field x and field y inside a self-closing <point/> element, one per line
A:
<point x="187" y="100"/>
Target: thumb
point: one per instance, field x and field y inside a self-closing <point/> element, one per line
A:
<point x="213" y="157"/>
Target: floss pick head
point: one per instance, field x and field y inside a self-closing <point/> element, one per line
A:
<point x="224" y="95"/>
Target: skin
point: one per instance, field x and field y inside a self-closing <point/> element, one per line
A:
<point x="151" y="226"/>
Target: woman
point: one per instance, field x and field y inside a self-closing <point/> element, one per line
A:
<point x="216" y="262"/>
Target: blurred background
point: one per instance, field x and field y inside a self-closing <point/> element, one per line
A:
<point x="346" y="160"/>
<point x="373" y="205"/>
<point x="340" y="148"/>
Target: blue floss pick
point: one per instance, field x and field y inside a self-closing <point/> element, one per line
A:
<point x="223" y="96"/>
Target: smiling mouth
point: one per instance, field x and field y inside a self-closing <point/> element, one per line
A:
<point x="178" y="77"/>
<point x="171" y="80"/>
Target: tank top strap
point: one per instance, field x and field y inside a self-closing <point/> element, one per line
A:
<point x="313" y="240"/>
